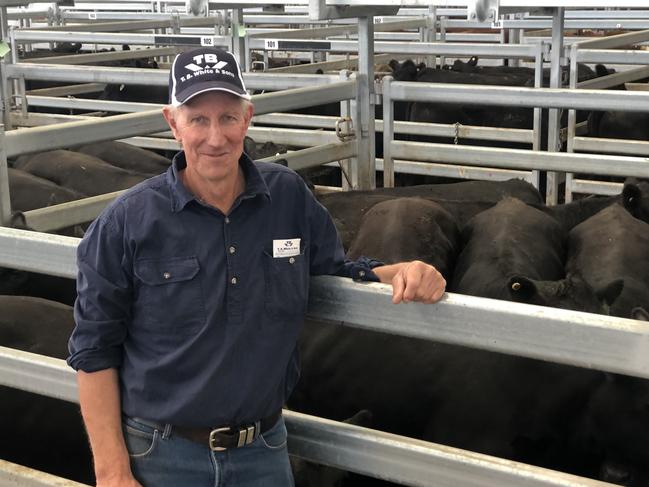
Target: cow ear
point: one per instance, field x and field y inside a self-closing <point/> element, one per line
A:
<point x="602" y="70"/>
<point x="610" y="292"/>
<point x="631" y="196"/>
<point x="361" y="418"/>
<point x="394" y="64"/>
<point x="639" y="314"/>
<point x="473" y="61"/>
<point x="522" y="289"/>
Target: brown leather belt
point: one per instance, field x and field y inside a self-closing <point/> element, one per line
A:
<point x="222" y="438"/>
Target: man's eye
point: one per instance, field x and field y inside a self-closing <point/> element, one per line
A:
<point x="198" y="119"/>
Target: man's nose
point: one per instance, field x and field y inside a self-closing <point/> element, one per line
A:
<point x="216" y="137"/>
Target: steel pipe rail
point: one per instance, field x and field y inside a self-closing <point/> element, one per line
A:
<point x="570" y="337"/>
<point x="521" y="97"/>
<point x="522" y="159"/>
<point x="105" y="56"/>
<point x="85" y="131"/>
<point x="612" y="56"/>
<point x="422" y="48"/>
<point x="304" y="97"/>
<point x="371" y="452"/>
<point x="125" y="26"/>
<point x="153" y="77"/>
<point x="615" y="79"/>
<point x="611" y="146"/>
<point x="316" y="156"/>
<point x="13" y="474"/>
<point x="611" y="42"/>
<point x="24" y="36"/>
<point x="38" y="252"/>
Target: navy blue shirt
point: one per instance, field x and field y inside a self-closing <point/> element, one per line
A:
<point x="200" y="311"/>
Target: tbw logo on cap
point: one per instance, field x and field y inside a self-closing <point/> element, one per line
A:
<point x="204" y="69"/>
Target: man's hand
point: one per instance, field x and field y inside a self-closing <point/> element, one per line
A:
<point x="119" y="481"/>
<point x="413" y="281"/>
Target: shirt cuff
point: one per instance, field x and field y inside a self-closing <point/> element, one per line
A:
<point x="362" y="269"/>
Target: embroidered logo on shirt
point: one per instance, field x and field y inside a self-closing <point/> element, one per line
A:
<point x="286" y="248"/>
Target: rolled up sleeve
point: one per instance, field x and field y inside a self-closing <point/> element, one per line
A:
<point x="104" y="296"/>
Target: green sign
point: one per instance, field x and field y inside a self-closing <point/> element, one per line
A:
<point x="4" y="49"/>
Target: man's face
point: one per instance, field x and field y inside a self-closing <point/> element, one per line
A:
<point x="211" y="128"/>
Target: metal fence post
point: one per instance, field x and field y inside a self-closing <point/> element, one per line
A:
<point x="365" y="104"/>
<point x="536" y="123"/>
<point x="5" y="201"/>
<point x="388" y="133"/>
<point x="554" y="114"/>
<point x="572" y="117"/>
<point x="346" y="166"/>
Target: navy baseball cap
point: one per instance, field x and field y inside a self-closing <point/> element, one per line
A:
<point x="204" y="69"/>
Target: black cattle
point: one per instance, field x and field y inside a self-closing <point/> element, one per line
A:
<point x="79" y="172"/>
<point x="619" y="125"/>
<point x="516" y="252"/>
<point x="511" y="407"/>
<point x="127" y="156"/>
<point x="43" y="433"/>
<point x="613" y="245"/>
<point x="640" y="314"/>
<point x="405" y="229"/>
<point x="462" y="200"/>
<point x="260" y="150"/>
<point x="29" y="192"/>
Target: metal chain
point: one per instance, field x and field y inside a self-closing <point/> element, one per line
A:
<point x="457" y="133"/>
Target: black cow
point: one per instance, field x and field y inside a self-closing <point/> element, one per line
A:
<point x="406" y="229"/>
<point x="79" y="172"/>
<point x="609" y="246"/>
<point x="127" y="156"/>
<point x="462" y="200"/>
<point x="29" y="192"/>
<point x="260" y="150"/>
<point x="511" y="407"/>
<point x="516" y="252"/>
<point x="43" y="433"/>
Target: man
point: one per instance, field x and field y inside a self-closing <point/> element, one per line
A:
<point x="192" y="289"/>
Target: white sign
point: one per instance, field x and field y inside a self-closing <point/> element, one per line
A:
<point x="286" y="248"/>
<point x="271" y="44"/>
<point x="207" y="41"/>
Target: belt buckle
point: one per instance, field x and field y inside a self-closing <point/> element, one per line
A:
<point x="212" y="439"/>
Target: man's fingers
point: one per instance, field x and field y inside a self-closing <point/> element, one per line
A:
<point x="398" y="286"/>
<point x="413" y="282"/>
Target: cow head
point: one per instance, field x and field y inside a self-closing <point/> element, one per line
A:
<point x="308" y="474"/>
<point x="570" y="293"/>
<point x="635" y="197"/>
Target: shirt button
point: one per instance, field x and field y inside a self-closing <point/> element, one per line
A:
<point x="227" y="220"/>
<point x="361" y="273"/>
<point x="233" y="280"/>
<point x="232" y="250"/>
<point x="291" y="260"/>
<point x="166" y="275"/>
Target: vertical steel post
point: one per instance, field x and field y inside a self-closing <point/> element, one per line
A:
<point x="536" y="123"/>
<point x="388" y="133"/>
<point x="554" y="114"/>
<point x="432" y="34"/>
<point x="5" y="83"/>
<point x="365" y="104"/>
<point x="238" y="40"/>
<point x="346" y="166"/>
<point x="442" y="38"/>
<point x="5" y="202"/>
<point x="572" y="117"/>
<point x="514" y="38"/>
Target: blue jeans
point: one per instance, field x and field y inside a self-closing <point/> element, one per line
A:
<point x="161" y="459"/>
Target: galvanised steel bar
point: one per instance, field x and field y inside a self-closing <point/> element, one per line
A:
<point x="554" y="114"/>
<point x="615" y="79"/>
<point x="68" y="214"/>
<point x="613" y="56"/>
<point x="615" y="41"/>
<point x="105" y="56"/>
<point x="23" y="36"/>
<point x="126" y="26"/>
<point x="304" y="97"/>
<point x="153" y="77"/>
<point x="363" y="116"/>
<point x="455" y="171"/>
<point x="423" y="48"/>
<point x="611" y="146"/>
<point x="84" y="131"/>
<point x="13" y="474"/>
<point x="376" y="453"/>
<point x="522" y="159"/>
<point x="521" y="97"/>
<point x="38" y="252"/>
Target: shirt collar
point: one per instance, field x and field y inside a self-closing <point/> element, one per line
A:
<point x="181" y="196"/>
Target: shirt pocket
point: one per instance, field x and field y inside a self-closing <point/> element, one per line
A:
<point x="170" y="296"/>
<point x="287" y="285"/>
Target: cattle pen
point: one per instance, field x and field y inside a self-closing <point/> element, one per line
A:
<point x="360" y="28"/>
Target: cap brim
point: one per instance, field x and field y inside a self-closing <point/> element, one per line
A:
<point x="199" y="88"/>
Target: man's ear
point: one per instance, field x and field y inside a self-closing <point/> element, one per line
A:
<point x="169" y="113"/>
<point x="250" y="111"/>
